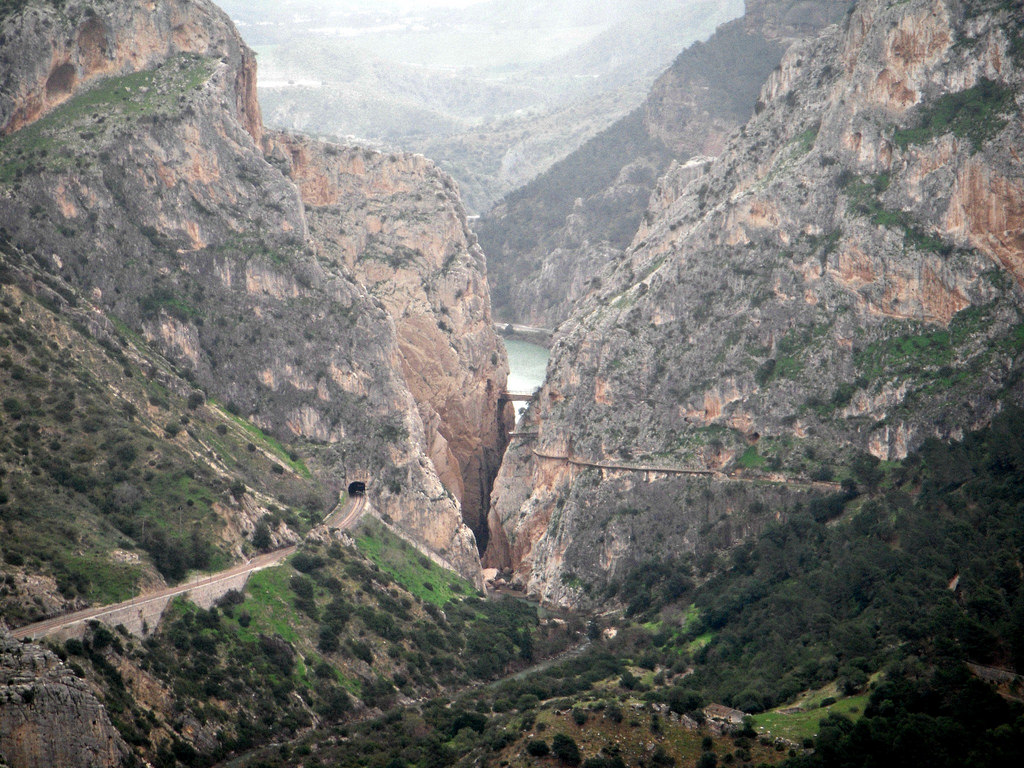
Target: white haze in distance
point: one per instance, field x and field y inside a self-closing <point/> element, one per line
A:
<point x="493" y="90"/>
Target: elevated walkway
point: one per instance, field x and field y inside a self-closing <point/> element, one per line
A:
<point x="516" y="397"/>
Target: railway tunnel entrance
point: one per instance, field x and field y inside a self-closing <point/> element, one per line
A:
<point x="357" y="488"/>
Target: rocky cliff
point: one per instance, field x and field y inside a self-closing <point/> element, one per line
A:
<point x="48" y="55"/>
<point x="48" y="715"/>
<point x="547" y="242"/>
<point x="397" y="224"/>
<point x="840" y="285"/>
<point x="149" y="192"/>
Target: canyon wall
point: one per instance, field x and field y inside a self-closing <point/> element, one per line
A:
<point x="396" y="223"/>
<point x="841" y="284"/>
<point x="48" y="715"/>
<point x="548" y="242"/>
<point x="151" y="193"/>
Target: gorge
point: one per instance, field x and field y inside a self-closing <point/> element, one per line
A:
<point x="763" y="497"/>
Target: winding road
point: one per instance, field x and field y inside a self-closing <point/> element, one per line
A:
<point x="341" y="518"/>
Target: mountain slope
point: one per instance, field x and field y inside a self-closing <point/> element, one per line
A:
<point x="840" y="285"/>
<point x="548" y="240"/>
<point x="493" y="92"/>
<point x="150" y="193"/>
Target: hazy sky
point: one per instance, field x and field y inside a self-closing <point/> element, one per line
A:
<point x="414" y="4"/>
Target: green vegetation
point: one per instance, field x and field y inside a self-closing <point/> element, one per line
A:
<point x="804" y="141"/>
<point x="589" y="711"/>
<point x="751" y="459"/>
<point x="162" y="299"/>
<point x="270" y="444"/>
<point x="864" y="199"/>
<point x="905" y="354"/>
<point x="800" y="621"/>
<point x="850" y="586"/>
<point x="324" y="635"/>
<point x="50" y="142"/>
<point x="106" y="478"/>
<point x="938" y="350"/>
<point x="977" y="114"/>
<point x="803" y="724"/>
<point x="414" y="571"/>
<point x="807" y="602"/>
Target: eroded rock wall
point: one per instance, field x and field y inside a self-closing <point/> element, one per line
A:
<point x="150" y="193"/>
<point x="48" y="54"/>
<point x="548" y="242"/>
<point x="48" y="716"/>
<point x="841" y="283"/>
<point x="396" y="223"/>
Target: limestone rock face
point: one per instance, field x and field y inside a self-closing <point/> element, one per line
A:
<point x="151" y="192"/>
<point x="396" y="222"/>
<point x="843" y="281"/>
<point x="48" y="716"/>
<point x="547" y="242"/>
<point x="49" y="54"/>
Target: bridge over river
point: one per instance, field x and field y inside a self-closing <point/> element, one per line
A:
<point x="517" y="397"/>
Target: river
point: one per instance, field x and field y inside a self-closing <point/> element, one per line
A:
<point x="527" y="364"/>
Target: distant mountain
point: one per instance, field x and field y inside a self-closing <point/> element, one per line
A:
<point x="494" y="92"/>
<point x="546" y="241"/>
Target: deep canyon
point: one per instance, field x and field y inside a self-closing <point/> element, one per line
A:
<point x="768" y="457"/>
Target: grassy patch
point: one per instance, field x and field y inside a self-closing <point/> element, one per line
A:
<point x="701" y="641"/>
<point x="904" y="354"/>
<point x="269" y="443"/>
<point x="862" y="195"/>
<point x="751" y="459"/>
<point x="269" y="603"/>
<point x="690" y="618"/>
<point x="804" y="141"/>
<point x="975" y="114"/>
<point x="800" y="725"/>
<point x="51" y="141"/>
<point x="414" y="571"/>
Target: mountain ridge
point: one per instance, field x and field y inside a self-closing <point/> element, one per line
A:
<point x="817" y="295"/>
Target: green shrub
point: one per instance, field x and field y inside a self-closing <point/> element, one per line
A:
<point x="538" y="748"/>
<point x="974" y="114"/>
<point x="565" y="749"/>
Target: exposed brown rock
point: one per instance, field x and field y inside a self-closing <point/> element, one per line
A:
<point x="50" y="54"/>
<point x="48" y="716"/>
<point x="178" y="200"/>
<point x="396" y="222"/>
<point x="546" y="249"/>
<point x="823" y="284"/>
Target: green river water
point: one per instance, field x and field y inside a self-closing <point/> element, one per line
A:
<point x="527" y="363"/>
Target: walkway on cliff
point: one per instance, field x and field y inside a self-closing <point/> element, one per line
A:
<point x="775" y="479"/>
<point x="523" y="329"/>
<point x="341" y="518"/>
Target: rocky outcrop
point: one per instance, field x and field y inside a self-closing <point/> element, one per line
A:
<point x="48" y="54"/>
<point x="840" y="283"/>
<point x="396" y="223"/>
<point x="547" y="241"/>
<point x="48" y="716"/>
<point x="151" y="193"/>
